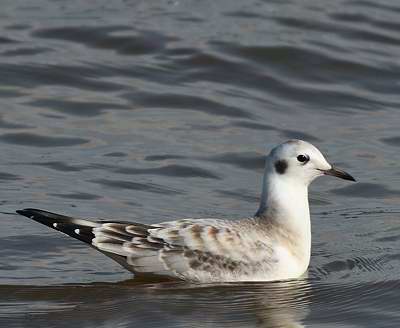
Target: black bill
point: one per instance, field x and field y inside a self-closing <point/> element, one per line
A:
<point x="339" y="173"/>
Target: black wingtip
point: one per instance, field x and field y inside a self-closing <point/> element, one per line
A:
<point x="40" y="216"/>
<point x="74" y="227"/>
<point x="27" y="211"/>
<point x="22" y="212"/>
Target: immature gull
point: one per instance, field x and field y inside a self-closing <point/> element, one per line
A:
<point x="274" y="244"/>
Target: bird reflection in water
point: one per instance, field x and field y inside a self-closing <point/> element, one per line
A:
<point x="169" y="304"/>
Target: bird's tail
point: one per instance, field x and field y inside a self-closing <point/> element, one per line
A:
<point x="77" y="228"/>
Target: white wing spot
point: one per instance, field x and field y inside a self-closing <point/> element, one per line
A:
<point x="55" y="225"/>
<point x="77" y="231"/>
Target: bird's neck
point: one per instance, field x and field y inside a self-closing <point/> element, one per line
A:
<point x="284" y="203"/>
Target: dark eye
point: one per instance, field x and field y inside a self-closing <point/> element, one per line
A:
<point x="303" y="158"/>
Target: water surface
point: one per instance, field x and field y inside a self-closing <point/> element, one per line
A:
<point x="155" y="110"/>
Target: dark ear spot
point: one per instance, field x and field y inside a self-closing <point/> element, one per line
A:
<point x="281" y="166"/>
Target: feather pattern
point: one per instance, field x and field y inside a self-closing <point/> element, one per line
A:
<point x="203" y="250"/>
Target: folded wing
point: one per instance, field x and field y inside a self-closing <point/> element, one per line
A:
<point x="189" y="249"/>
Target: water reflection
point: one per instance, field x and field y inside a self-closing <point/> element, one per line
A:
<point x="281" y="304"/>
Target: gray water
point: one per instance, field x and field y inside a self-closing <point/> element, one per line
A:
<point x="157" y="110"/>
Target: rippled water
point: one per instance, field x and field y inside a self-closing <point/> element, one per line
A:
<point x="154" y="110"/>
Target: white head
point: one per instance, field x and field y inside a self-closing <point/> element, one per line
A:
<point x="301" y="162"/>
<point x="289" y="169"/>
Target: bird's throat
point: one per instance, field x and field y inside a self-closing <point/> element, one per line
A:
<point x="286" y="203"/>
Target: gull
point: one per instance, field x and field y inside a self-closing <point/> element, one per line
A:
<point x="273" y="244"/>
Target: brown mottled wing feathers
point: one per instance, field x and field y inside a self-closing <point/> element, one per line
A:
<point x="181" y="249"/>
